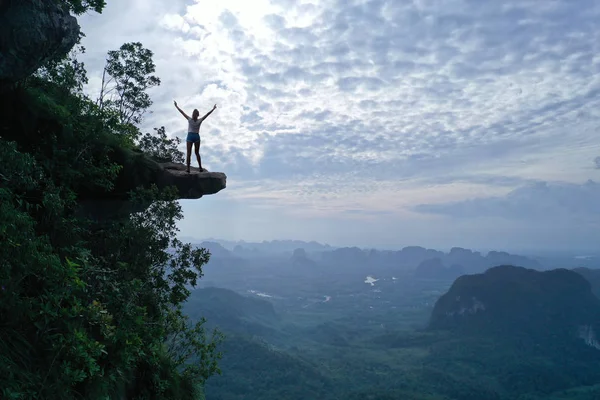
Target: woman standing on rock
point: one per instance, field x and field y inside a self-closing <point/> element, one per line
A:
<point x="193" y="135"/>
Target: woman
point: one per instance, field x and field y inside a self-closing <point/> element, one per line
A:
<point x="193" y="135"/>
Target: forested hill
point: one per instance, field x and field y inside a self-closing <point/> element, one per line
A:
<point x="548" y="305"/>
<point x="231" y="311"/>
<point x="509" y="333"/>
<point x="87" y="309"/>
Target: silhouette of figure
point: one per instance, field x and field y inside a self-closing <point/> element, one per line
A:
<point x="193" y="136"/>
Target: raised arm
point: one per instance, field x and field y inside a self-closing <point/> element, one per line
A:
<point x="208" y="113"/>
<point x="180" y="110"/>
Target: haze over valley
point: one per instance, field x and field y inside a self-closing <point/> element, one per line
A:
<point x="349" y="322"/>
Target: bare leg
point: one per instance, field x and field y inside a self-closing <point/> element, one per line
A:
<point x="189" y="154"/>
<point x="197" y="151"/>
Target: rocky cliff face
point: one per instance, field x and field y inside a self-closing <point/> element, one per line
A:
<point x="588" y="334"/>
<point x="519" y="302"/>
<point x="31" y="33"/>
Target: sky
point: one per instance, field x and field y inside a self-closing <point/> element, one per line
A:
<point x="379" y="123"/>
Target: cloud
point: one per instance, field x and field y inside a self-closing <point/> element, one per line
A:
<point x="420" y="101"/>
<point x="597" y="162"/>
<point x="413" y="78"/>
<point x="540" y="202"/>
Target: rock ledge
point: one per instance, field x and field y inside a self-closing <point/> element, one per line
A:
<point x="191" y="185"/>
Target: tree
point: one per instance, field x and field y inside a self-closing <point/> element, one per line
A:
<point x="160" y="148"/>
<point x="79" y="7"/>
<point x="67" y="73"/>
<point x="125" y="79"/>
<point x="142" y="274"/>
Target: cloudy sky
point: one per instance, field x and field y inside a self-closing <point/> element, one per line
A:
<point x="380" y="123"/>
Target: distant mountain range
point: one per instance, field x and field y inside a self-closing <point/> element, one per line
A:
<point x="461" y="260"/>
<point x="274" y="246"/>
<point x="456" y="262"/>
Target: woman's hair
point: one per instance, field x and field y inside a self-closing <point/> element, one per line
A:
<point x="195" y="113"/>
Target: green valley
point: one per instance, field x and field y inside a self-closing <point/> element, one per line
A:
<point x="326" y="335"/>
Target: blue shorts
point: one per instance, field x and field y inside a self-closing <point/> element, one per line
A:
<point x="193" y="137"/>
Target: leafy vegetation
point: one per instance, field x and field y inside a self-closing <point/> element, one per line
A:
<point x="79" y="7"/>
<point x="91" y="308"/>
<point x="350" y="340"/>
<point x="94" y="309"/>
<point x="125" y="79"/>
<point x="160" y="147"/>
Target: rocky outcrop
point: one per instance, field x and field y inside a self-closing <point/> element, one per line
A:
<point x="139" y="170"/>
<point x="191" y="185"/>
<point x="510" y="301"/>
<point x="41" y="131"/>
<point x="31" y="33"/>
<point x="587" y="333"/>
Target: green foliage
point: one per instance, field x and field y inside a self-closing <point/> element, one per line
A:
<point x="231" y="311"/>
<point x="153" y="282"/>
<point x="43" y="315"/>
<point x="79" y="7"/>
<point x="252" y="370"/>
<point x="160" y="148"/>
<point x="61" y="131"/>
<point x="384" y="356"/>
<point x="125" y="79"/>
<point x="90" y="309"/>
<point x="67" y="74"/>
